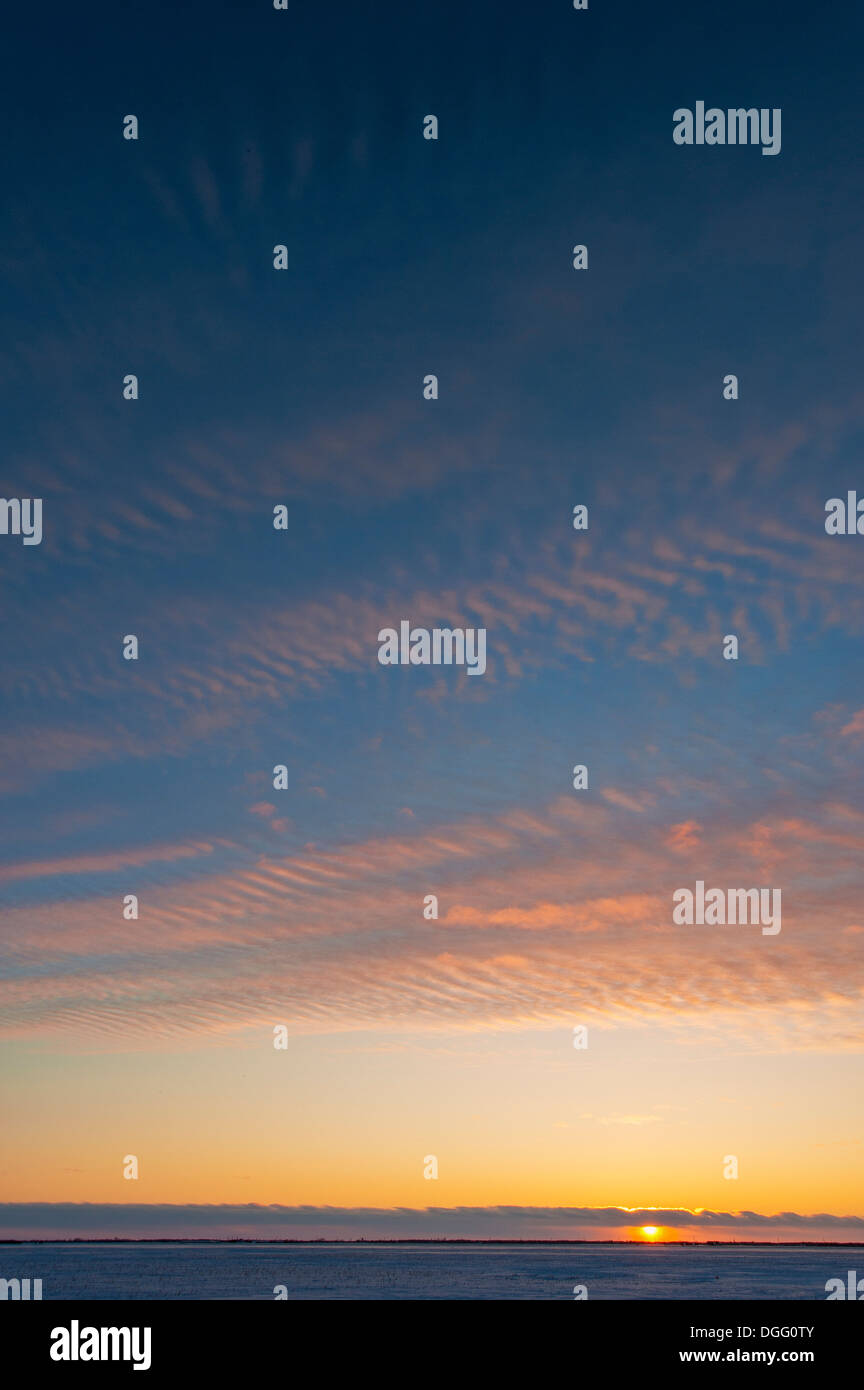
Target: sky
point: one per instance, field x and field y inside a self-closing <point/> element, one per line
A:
<point x="410" y="1038"/>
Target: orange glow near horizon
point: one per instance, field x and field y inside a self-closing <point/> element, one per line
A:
<point x="214" y="1125"/>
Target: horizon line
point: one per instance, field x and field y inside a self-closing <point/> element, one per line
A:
<point x="403" y="1240"/>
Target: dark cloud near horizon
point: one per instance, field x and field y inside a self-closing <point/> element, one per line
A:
<point x="223" y="1221"/>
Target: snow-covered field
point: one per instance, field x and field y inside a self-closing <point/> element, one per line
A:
<point x="369" y="1271"/>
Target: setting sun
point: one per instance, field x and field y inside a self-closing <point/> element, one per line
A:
<point x="650" y="1231"/>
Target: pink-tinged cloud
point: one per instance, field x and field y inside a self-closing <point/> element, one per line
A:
<point x="528" y="936"/>
<point x="107" y="863"/>
<point x="239" y="660"/>
<point x="684" y="837"/>
<point x="627" y="800"/>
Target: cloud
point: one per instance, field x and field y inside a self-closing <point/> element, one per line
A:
<point x="334" y="938"/>
<point x="684" y="837"/>
<point x="629" y="1120"/>
<point x="105" y="863"/>
<point x="57" y="1220"/>
<point x="855" y="725"/>
<point x="627" y="800"/>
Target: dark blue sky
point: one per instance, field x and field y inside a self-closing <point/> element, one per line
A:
<point x="409" y="256"/>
